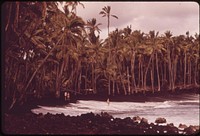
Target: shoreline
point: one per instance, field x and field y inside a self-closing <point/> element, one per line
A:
<point x="24" y="121"/>
<point x="89" y="123"/>
<point x="137" y="97"/>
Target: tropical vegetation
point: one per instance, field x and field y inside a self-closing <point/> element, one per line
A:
<point x="47" y="51"/>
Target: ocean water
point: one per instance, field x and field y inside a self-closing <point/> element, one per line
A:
<point x="185" y="111"/>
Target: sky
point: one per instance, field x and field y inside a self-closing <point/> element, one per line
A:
<point x="178" y="17"/>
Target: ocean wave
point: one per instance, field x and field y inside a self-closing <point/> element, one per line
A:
<point x="174" y="111"/>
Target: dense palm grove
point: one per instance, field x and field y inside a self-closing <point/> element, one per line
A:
<point x="47" y="51"/>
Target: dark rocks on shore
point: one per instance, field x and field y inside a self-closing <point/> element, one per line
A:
<point x="89" y="123"/>
<point x="144" y="121"/>
<point x="182" y="126"/>
<point x="191" y="130"/>
<point x="106" y="115"/>
<point x="136" y="119"/>
<point x="170" y="124"/>
<point x="160" y="120"/>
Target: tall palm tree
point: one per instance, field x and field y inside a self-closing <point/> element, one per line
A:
<point x="157" y="44"/>
<point x="196" y="57"/>
<point x="106" y="13"/>
<point x="168" y="44"/>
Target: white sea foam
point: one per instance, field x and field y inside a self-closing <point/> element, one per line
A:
<point x="188" y="113"/>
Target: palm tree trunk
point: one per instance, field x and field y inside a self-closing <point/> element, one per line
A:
<point x="113" y="87"/>
<point x="128" y="77"/>
<point x="58" y="81"/>
<point x="170" y="68"/>
<point x="145" y="75"/>
<point x="117" y="88"/>
<point x="185" y="65"/>
<point x="109" y="85"/>
<point x="162" y="73"/>
<point x="152" y="75"/>
<point x="33" y="75"/>
<point x="165" y="71"/>
<point x="79" y="81"/>
<point x="86" y="73"/>
<point x="189" y="72"/>
<point x="9" y="17"/>
<point x="109" y="54"/>
<point x="95" y="80"/>
<point x="108" y="23"/>
<point x="124" y="88"/>
<point x="157" y="69"/>
<point x="174" y="73"/>
<point x="142" y="74"/>
<point x="16" y="16"/>
<point x="196" y="71"/>
<point x="93" y="77"/>
<point x="138" y="85"/>
<point x="133" y="73"/>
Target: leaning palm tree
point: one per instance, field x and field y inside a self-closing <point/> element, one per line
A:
<point x="15" y="25"/>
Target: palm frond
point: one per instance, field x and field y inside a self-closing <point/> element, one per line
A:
<point x="114" y="16"/>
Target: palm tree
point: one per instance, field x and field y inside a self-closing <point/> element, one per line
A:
<point x="106" y="12"/>
<point x="134" y="40"/>
<point x="23" y="23"/>
<point x="196" y="57"/>
<point x="168" y="44"/>
<point x="73" y="5"/>
<point x="93" y="27"/>
<point x="157" y="44"/>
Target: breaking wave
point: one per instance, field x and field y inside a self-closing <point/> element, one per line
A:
<point x="183" y="111"/>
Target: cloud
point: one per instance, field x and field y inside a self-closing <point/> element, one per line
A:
<point x="177" y="17"/>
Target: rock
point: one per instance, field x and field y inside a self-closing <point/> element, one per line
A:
<point x="172" y="130"/>
<point x="170" y="125"/>
<point x="40" y="115"/>
<point x="143" y="120"/>
<point x="160" y="120"/>
<point x="88" y="115"/>
<point x="136" y="119"/>
<point x="48" y="116"/>
<point x="106" y="115"/>
<point x="61" y="115"/>
<point x="127" y="120"/>
<point x="190" y="130"/>
<point x="197" y="128"/>
<point x="182" y="126"/>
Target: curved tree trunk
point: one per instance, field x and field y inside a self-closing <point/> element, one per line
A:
<point x="34" y="73"/>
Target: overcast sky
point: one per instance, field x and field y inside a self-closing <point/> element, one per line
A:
<point x="178" y="17"/>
